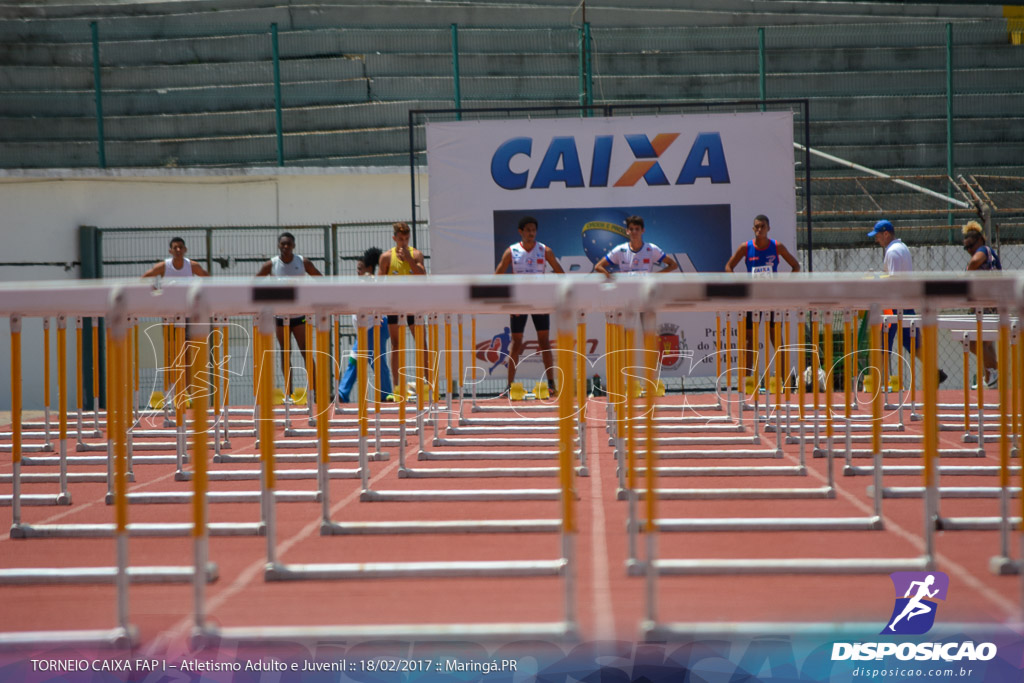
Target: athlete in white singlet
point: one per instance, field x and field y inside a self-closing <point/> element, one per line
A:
<point x="529" y="257"/>
<point x="289" y="264"/>
<point x="177" y="267"/>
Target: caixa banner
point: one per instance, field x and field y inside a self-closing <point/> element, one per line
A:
<point x="697" y="181"/>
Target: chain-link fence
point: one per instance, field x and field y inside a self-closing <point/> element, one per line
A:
<point x="846" y="207"/>
<point x="233" y="252"/>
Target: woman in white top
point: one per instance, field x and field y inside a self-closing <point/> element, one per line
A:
<point x="177" y="267"/>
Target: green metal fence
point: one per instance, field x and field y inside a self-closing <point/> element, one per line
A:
<point x="931" y="95"/>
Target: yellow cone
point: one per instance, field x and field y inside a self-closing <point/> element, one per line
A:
<point x="517" y="392"/>
<point x="277" y="396"/>
<point x="156" y="400"/>
<point x="299" y="396"/>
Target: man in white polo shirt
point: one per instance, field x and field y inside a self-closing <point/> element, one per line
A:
<point x="898" y="260"/>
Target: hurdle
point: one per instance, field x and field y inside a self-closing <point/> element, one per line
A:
<point x="818" y="523"/>
<point x="16" y="498"/>
<point x="334" y="288"/>
<point x="183" y="396"/>
<point x="422" y="388"/>
<point x="1008" y="405"/>
<point x="484" y="426"/>
<point x="653" y="567"/>
<point x="827" y="491"/>
<point x="143" y="529"/>
<point x="277" y="571"/>
<point x="331" y="527"/>
<point x="119" y="421"/>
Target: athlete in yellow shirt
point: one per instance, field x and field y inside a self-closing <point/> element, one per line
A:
<point x="401" y="260"/>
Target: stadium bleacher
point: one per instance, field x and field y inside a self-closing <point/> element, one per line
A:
<point x="191" y="83"/>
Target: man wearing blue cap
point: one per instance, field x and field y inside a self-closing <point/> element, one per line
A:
<point x="898" y="260"/>
<point x="897" y="256"/>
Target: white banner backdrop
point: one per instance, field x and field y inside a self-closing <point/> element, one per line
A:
<point x="696" y="180"/>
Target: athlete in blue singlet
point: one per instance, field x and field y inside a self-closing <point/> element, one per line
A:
<point x="761" y="256"/>
<point x="983" y="257"/>
<point x="762" y="260"/>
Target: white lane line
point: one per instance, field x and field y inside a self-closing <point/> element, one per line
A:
<point x="76" y="508"/>
<point x="176" y="633"/>
<point x="917" y="541"/>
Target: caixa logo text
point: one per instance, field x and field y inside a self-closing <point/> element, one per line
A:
<point x="560" y="162"/>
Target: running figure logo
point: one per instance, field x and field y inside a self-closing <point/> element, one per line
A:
<point x="496" y="350"/>
<point x="914" y="612"/>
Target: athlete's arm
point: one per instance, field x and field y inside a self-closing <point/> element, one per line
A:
<point x="977" y="261"/>
<point x="549" y="256"/>
<point x="669" y="263"/>
<point x="265" y="269"/>
<point x="602" y="267"/>
<point x="198" y="270"/>
<point x="384" y="265"/>
<point x="784" y="253"/>
<point x="159" y="269"/>
<point x="310" y="268"/>
<point x="506" y="261"/>
<point x="417" y="265"/>
<point x="741" y="251"/>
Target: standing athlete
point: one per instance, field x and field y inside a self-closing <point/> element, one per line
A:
<point x="761" y="257"/>
<point x="983" y="257"/>
<point x="402" y="259"/>
<point x="528" y="256"/>
<point x="177" y="266"/>
<point x="636" y="256"/>
<point x="289" y="264"/>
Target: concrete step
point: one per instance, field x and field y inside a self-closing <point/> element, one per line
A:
<point x="926" y="158"/>
<point x="917" y="131"/>
<point x="343" y="117"/>
<point x="184" y="100"/>
<point x="13" y="78"/>
<point x="842" y="108"/>
<point x="209" y="151"/>
<point x="256" y="46"/>
<point x="294" y="66"/>
<point x="797" y="36"/>
<point x="525" y="88"/>
<point x="293" y="16"/>
<point x="57" y="9"/>
<point x="339" y="145"/>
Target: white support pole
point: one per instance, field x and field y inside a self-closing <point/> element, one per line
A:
<point x="267" y="429"/>
<point x="323" y="418"/>
<point x="62" y="404"/>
